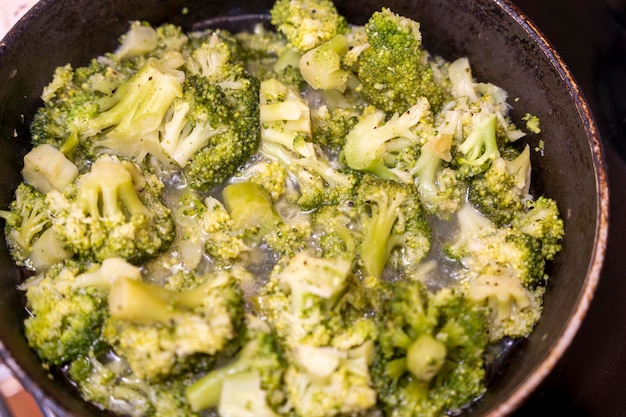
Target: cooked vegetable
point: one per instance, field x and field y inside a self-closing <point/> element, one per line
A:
<point x="318" y="220"/>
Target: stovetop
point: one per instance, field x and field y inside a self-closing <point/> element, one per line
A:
<point x="590" y="380"/>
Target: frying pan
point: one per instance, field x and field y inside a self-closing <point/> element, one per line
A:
<point x="503" y="48"/>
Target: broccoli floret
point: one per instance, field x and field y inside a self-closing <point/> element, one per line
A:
<point x="504" y="273"/>
<point x="107" y="381"/>
<point x="512" y="309"/>
<point x="258" y="366"/>
<point x="290" y="236"/>
<point x="430" y="352"/>
<point x="500" y="192"/>
<point x="328" y="349"/>
<point x="256" y="217"/>
<point x="157" y="330"/>
<point x="479" y="149"/>
<point x="299" y="296"/>
<point x="70" y="101"/>
<point x="46" y="168"/>
<point x="394" y="225"/>
<point x="394" y="70"/>
<point x="326" y="381"/>
<point x="270" y="175"/>
<point x="129" y="119"/>
<point x="331" y="125"/>
<point x="307" y="23"/>
<point x="26" y="219"/>
<point x="114" y="210"/>
<point x="204" y="227"/>
<point x="335" y="228"/>
<point x="439" y="189"/>
<point x="470" y="224"/>
<point x="321" y="66"/>
<point x="373" y="141"/>
<point x="507" y="251"/>
<point x="66" y="311"/>
<point x="285" y="133"/>
<point x="214" y="128"/>
<point x="541" y="219"/>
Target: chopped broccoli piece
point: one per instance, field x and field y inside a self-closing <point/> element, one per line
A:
<point x="113" y="210"/>
<point x="500" y="192"/>
<point x="65" y="317"/>
<point x="46" y="168"/>
<point x="26" y="219"/>
<point x="258" y="364"/>
<point x="373" y="139"/>
<point x="307" y="23"/>
<point x="212" y="130"/>
<point x="430" y="351"/>
<point x="393" y="223"/>
<point x="321" y="66"/>
<point x="480" y="147"/>
<point x="541" y="219"/>
<point x="157" y="330"/>
<point x="394" y="70"/>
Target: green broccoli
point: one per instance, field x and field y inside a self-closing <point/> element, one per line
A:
<point x="258" y="367"/>
<point x="430" y="352"/>
<point x="470" y="224"/>
<point x="317" y="179"/>
<point x="504" y="272"/>
<point x="212" y="129"/>
<point x="373" y="141"/>
<point x="113" y="210"/>
<point x="479" y="149"/>
<point x="111" y="385"/>
<point x="157" y="330"/>
<point x="327" y="381"/>
<point x="394" y="226"/>
<point x="299" y="295"/>
<point x="329" y="350"/>
<point x="67" y="312"/>
<point x="541" y="219"/>
<point x="336" y="230"/>
<point x="439" y="189"/>
<point x="307" y="23"/>
<point x="26" y="219"/>
<point x="270" y="175"/>
<point x="285" y="117"/>
<point x="331" y="125"/>
<point x="70" y="102"/>
<point x="129" y="119"/>
<point x="500" y="192"/>
<point x="321" y="66"/>
<point x="394" y="70"/>
<point x="47" y="168"/>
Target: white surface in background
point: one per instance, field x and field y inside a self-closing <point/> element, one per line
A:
<point x="11" y="11"/>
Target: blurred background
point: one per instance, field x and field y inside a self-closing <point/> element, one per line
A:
<point x="590" y="380"/>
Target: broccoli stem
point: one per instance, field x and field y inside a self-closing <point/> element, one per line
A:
<point x="425" y="357"/>
<point x="108" y="191"/>
<point x="141" y="303"/>
<point x="321" y="66"/>
<point x="206" y="391"/>
<point x="375" y="248"/>
<point x="250" y="207"/>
